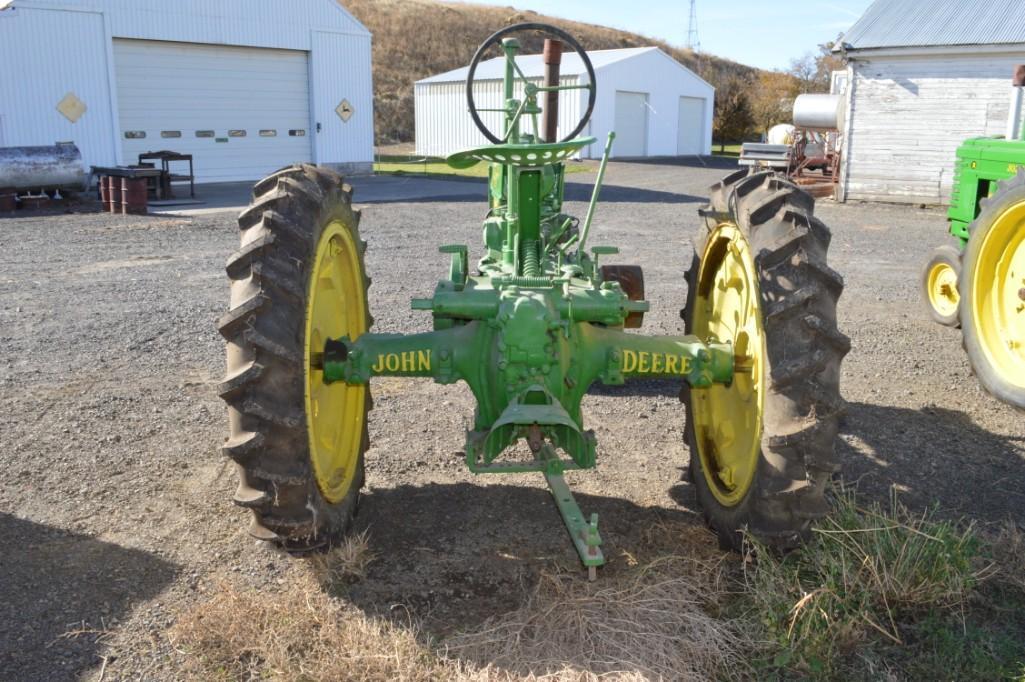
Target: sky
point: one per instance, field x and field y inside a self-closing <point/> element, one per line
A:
<point x="764" y="33"/>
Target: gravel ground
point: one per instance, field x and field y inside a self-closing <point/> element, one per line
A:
<point x="115" y="504"/>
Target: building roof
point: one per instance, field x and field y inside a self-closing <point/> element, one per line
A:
<point x="936" y="23"/>
<point x="533" y="67"/>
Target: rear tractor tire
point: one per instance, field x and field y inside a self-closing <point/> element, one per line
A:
<point x="940" y="285"/>
<point x="297" y="279"/>
<point x="762" y="448"/>
<point x="992" y="288"/>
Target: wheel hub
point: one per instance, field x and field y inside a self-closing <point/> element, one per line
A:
<point x="942" y="288"/>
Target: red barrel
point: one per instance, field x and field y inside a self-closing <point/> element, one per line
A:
<point x="105" y="192"/>
<point x="114" y="195"/>
<point x="133" y="196"/>
<point x="8" y="201"/>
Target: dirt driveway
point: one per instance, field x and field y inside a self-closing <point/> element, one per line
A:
<point x="115" y="505"/>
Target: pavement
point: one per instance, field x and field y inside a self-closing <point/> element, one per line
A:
<point x="369" y="189"/>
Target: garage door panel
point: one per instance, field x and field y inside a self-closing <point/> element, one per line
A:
<point x="631" y="124"/>
<point x="186" y="88"/>
<point x="691" y="127"/>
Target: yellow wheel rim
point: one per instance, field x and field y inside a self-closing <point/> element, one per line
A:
<point x="334" y="412"/>
<point x="728" y="419"/>
<point x="942" y="288"/>
<point x="998" y="279"/>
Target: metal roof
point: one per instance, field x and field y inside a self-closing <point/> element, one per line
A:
<point x="914" y="23"/>
<point x="533" y="67"/>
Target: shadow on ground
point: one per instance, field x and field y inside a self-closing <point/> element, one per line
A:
<point x="933" y="456"/>
<point x="59" y="591"/>
<point x="455" y="554"/>
<point x="615" y="194"/>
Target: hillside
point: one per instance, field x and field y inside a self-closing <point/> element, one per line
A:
<point x="414" y="39"/>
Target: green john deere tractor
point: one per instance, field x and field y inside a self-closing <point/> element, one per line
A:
<point x="530" y="328"/>
<point x="978" y="284"/>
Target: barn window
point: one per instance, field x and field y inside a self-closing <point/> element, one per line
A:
<point x="268" y="133"/>
<point x="166" y="134"/>
<point x="135" y="134"/>
<point x="297" y="133"/>
<point x="205" y="133"/>
<point x="236" y="133"/>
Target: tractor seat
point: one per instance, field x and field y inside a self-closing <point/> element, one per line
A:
<point x="522" y="155"/>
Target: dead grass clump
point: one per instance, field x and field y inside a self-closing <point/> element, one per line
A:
<point x="299" y="634"/>
<point x="1008" y="549"/>
<point x="345" y="564"/>
<point x="651" y="622"/>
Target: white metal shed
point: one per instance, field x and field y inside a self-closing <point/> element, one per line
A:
<point x="245" y="86"/>
<point x="657" y="106"/>
<point x="922" y="78"/>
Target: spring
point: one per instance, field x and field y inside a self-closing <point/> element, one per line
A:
<point x="530" y="259"/>
<point x="528" y="282"/>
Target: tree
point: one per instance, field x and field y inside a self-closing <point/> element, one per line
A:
<point x="772" y="99"/>
<point x="733" y="120"/>
<point x="814" y="72"/>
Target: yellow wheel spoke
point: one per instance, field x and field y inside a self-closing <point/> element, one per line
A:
<point x="336" y="307"/>
<point x="728" y="419"/>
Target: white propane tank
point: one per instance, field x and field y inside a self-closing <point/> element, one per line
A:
<point x="781" y="133"/>
<point x="824" y="113"/>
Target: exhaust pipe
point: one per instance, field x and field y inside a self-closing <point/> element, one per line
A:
<point x="553" y="64"/>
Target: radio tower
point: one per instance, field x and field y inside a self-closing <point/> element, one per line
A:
<point x="692" y="28"/>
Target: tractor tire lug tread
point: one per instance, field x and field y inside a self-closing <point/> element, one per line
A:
<point x="264" y="386"/>
<point x="805" y="349"/>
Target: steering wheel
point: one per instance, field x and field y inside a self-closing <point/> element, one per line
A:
<point x="531" y="91"/>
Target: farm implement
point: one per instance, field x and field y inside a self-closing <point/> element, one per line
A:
<point x="538" y="319"/>
<point x="977" y="283"/>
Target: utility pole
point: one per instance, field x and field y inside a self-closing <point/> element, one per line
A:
<point x="692" y="28"/>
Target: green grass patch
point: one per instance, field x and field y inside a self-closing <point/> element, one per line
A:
<point x="731" y="151"/>
<point x="883" y="593"/>
<point x="437" y="167"/>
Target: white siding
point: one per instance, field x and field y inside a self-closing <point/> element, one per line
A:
<point x="340" y="69"/>
<point x="444" y="126"/>
<point x="908" y="115"/>
<point x="72" y="58"/>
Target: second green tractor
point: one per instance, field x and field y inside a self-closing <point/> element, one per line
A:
<point x="977" y="282"/>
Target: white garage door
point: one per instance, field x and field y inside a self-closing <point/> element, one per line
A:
<point x="690" y="135"/>
<point x="631" y="124"/>
<point x="241" y="112"/>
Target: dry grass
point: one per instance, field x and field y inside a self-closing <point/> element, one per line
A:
<point x="299" y="634"/>
<point x="653" y="623"/>
<point x="1008" y="549"/>
<point x="650" y="620"/>
<point x="344" y="564"/>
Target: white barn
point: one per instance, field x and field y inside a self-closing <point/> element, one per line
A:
<point x="657" y="106"/>
<point x="245" y="86"/>
<point x="923" y="77"/>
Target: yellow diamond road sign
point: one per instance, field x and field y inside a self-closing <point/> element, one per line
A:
<point x="71" y="107"/>
<point x="344" y="111"/>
